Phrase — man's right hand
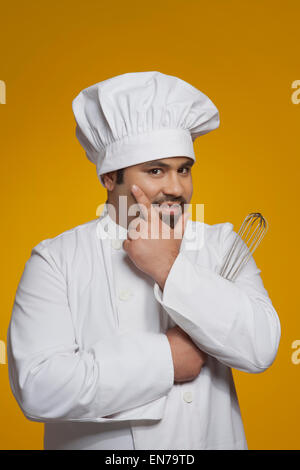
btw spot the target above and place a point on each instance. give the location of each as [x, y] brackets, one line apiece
[188, 359]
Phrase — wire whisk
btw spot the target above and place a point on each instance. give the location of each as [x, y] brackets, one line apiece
[241, 249]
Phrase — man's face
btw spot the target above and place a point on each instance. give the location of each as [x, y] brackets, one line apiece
[167, 180]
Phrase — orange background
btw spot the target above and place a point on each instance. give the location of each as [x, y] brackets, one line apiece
[245, 56]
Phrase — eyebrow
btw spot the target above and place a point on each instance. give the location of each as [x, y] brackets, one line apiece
[165, 165]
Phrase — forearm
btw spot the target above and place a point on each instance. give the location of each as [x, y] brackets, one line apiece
[239, 329]
[109, 378]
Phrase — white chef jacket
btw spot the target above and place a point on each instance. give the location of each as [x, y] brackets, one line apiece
[87, 350]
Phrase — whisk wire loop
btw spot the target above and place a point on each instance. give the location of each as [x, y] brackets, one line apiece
[255, 226]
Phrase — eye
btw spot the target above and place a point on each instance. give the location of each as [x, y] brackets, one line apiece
[154, 169]
[185, 168]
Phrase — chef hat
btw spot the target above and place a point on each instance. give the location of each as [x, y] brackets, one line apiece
[136, 117]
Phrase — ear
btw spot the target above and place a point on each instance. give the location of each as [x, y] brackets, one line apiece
[109, 180]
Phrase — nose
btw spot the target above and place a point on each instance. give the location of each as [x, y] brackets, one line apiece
[173, 184]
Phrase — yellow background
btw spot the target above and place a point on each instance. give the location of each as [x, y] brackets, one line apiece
[245, 56]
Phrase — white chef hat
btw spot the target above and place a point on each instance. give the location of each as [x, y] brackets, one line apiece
[136, 117]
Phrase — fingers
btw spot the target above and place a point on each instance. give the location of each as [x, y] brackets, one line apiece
[126, 244]
[134, 229]
[142, 200]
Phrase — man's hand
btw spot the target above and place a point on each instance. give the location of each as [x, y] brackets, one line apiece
[153, 256]
[188, 359]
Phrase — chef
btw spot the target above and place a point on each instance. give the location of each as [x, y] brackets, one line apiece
[120, 340]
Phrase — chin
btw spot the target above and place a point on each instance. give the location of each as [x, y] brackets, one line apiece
[169, 219]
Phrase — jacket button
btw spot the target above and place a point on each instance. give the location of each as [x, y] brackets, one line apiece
[124, 294]
[116, 244]
[188, 397]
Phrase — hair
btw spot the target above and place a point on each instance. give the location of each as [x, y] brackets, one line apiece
[120, 176]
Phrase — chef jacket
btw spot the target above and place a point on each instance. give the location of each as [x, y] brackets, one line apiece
[87, 350]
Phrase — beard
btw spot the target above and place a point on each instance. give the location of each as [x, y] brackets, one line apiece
[169, 219]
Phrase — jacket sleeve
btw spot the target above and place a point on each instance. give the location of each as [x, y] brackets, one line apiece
[235, 322]
[124, 376]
